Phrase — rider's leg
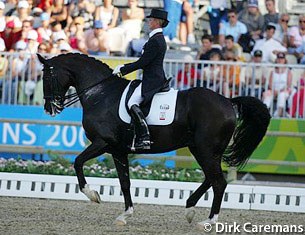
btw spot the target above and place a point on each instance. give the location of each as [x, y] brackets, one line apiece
[141, 128]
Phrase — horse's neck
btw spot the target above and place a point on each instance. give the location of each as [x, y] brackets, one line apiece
[111, 88]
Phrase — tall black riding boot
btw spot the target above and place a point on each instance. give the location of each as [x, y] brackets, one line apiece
[141, 128]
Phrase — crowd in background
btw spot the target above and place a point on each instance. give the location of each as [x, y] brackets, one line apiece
[101, 29]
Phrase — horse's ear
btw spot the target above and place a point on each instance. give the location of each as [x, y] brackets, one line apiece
[41, 59]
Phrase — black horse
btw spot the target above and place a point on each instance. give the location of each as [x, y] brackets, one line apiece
[204, 121]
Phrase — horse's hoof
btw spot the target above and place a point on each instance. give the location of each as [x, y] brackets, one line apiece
[91, 194]
[205, 226]
[96, 197]
[120, 222]
[190, 213]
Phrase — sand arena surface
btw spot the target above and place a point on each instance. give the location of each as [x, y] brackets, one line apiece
[26, 216]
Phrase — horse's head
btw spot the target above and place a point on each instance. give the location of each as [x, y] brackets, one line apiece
[56, 82]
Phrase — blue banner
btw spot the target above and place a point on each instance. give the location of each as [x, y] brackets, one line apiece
[47, 136]
[50, 136]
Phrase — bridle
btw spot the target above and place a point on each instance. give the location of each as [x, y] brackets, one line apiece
[56, 97]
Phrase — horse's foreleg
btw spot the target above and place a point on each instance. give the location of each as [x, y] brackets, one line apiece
[94, 150]
[122, 167]
[194, 198]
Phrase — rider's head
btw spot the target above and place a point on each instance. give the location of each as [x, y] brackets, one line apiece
[157, 19]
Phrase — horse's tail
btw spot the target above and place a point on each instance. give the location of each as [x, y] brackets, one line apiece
[252, 122]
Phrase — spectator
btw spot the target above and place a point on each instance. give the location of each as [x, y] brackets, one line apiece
[108, 14]
[268, 45]
[129, 29]
[231, 76]
[234, 47]
[272, 16]
[296, 35]
[173, 7]
[281, 31]
[45, 5]
[96, 40]
[64, 48]
[22, 12]
[58, 38]
[59, 13]
[256, 76]
[217, 14]
[33, 44]
[253, 19]
[36, 13]
[77, 35]
[84, 9]
[207, 48]
[2, 17]
[298, 100]
[44, 30]
[233, 27]
[186, 27]
[3, 65]
[9, 36]
[37, 71]
[26, 27]
[56, 28]
[19, 65]
[211, 73]
[10, 6]
[279, 88]
[188, 76]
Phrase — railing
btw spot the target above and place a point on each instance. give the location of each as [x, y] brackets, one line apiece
[228, 78]
[249, 197]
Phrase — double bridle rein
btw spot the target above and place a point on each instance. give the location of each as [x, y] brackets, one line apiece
[56, 96]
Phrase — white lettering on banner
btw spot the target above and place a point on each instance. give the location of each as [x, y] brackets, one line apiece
[55, 136]
[30, 133]
[65, 136]
[81, 135]
[51, 141]
[8, 131]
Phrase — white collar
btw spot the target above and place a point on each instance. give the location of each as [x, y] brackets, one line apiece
[152, 33]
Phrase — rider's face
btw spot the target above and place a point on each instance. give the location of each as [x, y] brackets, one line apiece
[153, 23]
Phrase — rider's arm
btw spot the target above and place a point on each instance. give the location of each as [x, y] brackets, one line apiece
[152, 48]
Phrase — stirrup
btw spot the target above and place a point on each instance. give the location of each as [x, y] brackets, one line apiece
[142, 145]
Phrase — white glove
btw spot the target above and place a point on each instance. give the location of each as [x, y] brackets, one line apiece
[117, 70]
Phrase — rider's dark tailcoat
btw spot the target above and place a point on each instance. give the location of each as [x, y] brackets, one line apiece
[151, 62]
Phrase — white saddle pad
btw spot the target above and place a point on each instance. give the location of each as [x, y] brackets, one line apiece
[162, 110]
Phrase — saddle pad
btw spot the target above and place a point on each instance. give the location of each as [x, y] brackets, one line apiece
[162, 110]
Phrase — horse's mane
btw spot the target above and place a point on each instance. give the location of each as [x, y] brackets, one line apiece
[95, 63]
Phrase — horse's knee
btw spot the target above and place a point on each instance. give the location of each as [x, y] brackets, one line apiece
[78, 163]
[125, 185]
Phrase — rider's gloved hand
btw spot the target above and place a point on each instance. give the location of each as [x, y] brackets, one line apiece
[117, 70]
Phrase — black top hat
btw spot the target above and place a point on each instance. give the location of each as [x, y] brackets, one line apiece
[159, 14]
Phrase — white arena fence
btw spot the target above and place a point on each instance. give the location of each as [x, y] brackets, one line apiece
[249, 197]
[228, 78]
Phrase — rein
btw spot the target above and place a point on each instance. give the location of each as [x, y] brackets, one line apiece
[74, 96]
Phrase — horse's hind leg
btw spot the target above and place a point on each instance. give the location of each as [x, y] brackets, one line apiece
[122, 167]
[211, 166]
[195, 196]
[94, 150]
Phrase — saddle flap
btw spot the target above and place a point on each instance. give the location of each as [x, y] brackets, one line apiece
[160, 112]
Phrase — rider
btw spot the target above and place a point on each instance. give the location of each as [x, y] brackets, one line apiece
[151, 61]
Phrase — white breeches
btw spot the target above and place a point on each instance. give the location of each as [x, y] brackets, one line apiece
[136, 97]
[281, 99]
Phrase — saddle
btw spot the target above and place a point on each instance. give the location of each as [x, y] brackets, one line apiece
[160, 111]
[134, 84]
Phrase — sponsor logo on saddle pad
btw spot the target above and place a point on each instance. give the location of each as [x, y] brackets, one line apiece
[162, 110]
